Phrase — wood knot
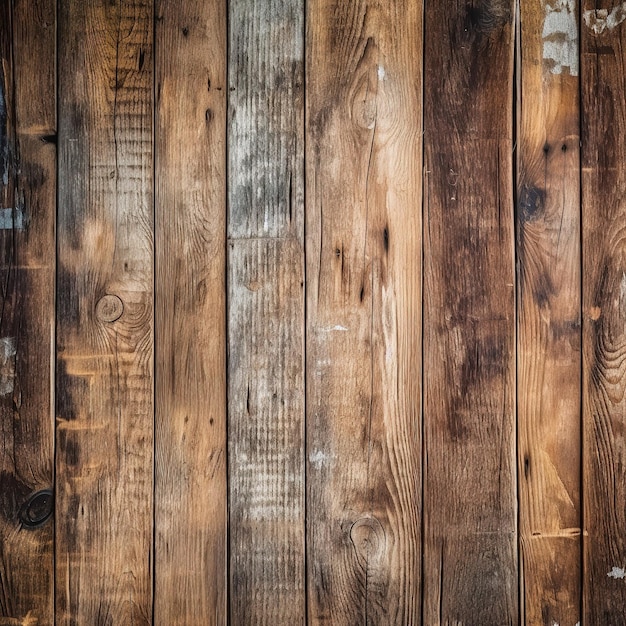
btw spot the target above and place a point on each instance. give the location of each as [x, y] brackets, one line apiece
[531, 202]
[37, 509]
[109, 308]
[368, 538]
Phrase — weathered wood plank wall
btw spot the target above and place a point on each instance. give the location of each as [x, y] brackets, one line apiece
[337, 329]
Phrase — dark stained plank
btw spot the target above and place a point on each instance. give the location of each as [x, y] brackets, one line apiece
[190, 374]
[105, 414]
[27, 267]
[603, 67]
[470, 550]
[266, 312]
[548, 238]
[364, 269]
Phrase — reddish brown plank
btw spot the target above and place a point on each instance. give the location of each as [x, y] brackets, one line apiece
[105, 418]
[190, 518]
[470, 499]
[364, 229]
[548, 236]
[603, 67]
[27, 266]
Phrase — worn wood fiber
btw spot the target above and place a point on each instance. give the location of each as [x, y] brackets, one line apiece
[190, 145]
[27, 262]
[266, 312]
[470, 499]
[603, 67]
[104, 314]
[364, 228]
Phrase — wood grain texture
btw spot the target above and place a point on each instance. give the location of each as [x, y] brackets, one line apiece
[190, 375]
[548, 272]
[27, 265]
[364, 266]
[603, 67]
[470, 550]
[266, 312]
[104, 316]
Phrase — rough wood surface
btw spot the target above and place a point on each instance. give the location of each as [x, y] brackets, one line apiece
[470, 500]
[603, 67]
[364, 228]
[27, 214]
[548, 236]
[104, 317]
[190, 376]
[266, 312]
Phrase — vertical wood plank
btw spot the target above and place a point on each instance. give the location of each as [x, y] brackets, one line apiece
[266, 311]
[190, 376]
[603, 67]
[548, 274]
[470, 551]
[27, 266]
[104, 324]
[364, 267]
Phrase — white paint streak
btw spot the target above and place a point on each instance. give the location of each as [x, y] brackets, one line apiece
[7, 365]
[381, 73]
[11, 218]
[336, 328]
[599, 20]
[560, 37]
[617, 572]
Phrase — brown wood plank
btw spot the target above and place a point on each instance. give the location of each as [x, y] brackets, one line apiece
[548, 274]
[266, 312]
[104, 326]
[364, 268]
[603, 68]
[470, 551]
[190, 375]
[27, 267]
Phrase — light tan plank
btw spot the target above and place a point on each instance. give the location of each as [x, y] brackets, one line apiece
[364, 227]
[190, 551]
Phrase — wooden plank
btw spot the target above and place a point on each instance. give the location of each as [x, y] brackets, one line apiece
[548, 274]
[266, 312]
[364, 268]
[27, 213]
[104, 316]
[470, 550]
[603, 67]
[190, 375]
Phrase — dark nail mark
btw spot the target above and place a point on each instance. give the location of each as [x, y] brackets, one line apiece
[546, 148]
[386, 239]
[185, 31]
[362, 294]
[564, 148]
[49, 138]
[142, 58]
[208, 115]
[208, 84]
[337, 252]
[38, 509]
[526, 466]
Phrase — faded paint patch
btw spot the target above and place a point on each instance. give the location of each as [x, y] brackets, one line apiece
[4, 140]
[11, 219]
[8, 351]
[617, 573]
[336, 328]
[319, 458]
[381, 73]
[560, 37]
[599, 20]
